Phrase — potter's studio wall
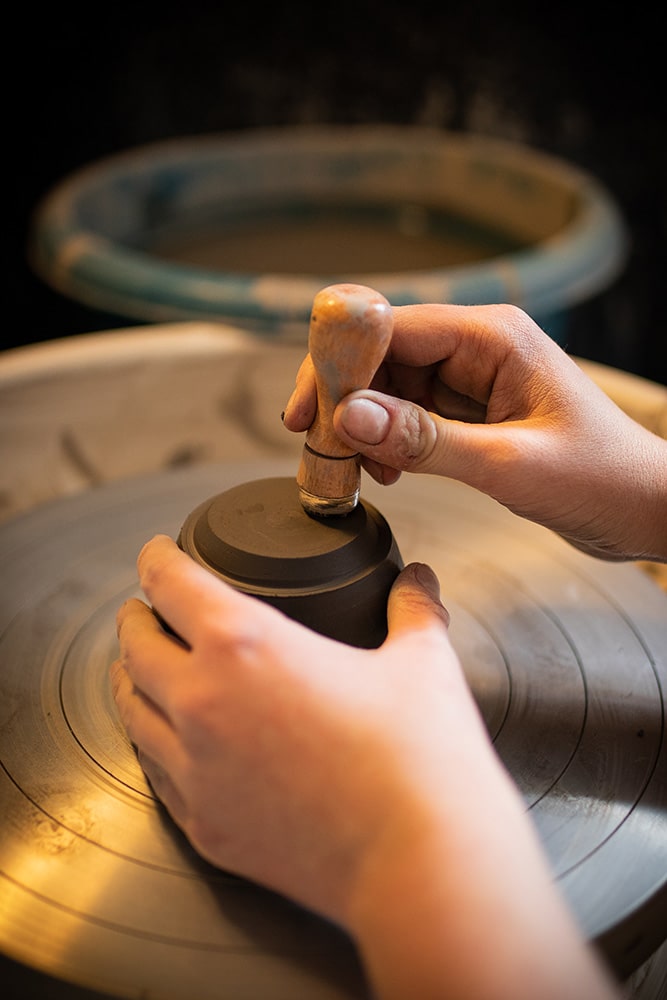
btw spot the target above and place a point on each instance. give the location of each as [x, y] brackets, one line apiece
[584, 86]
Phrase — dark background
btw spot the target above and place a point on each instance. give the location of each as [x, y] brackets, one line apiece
[585, 86]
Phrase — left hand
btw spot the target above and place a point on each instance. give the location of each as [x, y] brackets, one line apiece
[283, 754]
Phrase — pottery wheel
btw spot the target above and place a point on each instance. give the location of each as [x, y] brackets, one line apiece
[566, 655]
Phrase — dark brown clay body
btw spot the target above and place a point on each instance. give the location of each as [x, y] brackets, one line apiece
[331, 574]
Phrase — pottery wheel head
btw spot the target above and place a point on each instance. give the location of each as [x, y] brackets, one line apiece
[566, 657]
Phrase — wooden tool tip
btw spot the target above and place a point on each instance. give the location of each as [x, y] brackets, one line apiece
[350, 330]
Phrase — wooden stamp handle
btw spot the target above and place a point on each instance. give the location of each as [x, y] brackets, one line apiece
[350, 330]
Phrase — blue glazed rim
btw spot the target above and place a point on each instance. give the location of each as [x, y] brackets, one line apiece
[86, 234]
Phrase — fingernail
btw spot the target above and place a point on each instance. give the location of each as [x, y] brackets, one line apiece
[288, 405]
[428, 579]
[365, 421]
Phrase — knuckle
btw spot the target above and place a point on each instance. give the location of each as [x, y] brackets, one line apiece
[232, 642]
[418, 439]
[411, 441]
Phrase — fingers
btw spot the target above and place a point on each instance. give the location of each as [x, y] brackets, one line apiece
[149, 663]
[414, 602]
[398, 435]
[480, 337]
[491, 362]
[394, 435]
[302, 404]
[147, 650]
[466, 343]
[187, 596]
[455, 353]
[156, 742]
[454, 405]
[164, 788]
[147, 726]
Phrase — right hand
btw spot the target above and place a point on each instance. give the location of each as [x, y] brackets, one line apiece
[481, 394]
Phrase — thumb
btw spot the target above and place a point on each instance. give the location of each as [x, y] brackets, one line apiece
[414, 602]
[400, 435]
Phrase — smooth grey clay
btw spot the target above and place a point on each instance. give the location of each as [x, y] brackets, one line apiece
[331, 574]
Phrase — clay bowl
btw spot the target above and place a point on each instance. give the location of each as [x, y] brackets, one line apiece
[332, 574]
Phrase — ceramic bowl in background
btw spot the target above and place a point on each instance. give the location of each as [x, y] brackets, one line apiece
[246, 228]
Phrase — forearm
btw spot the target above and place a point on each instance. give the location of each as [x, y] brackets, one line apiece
[453, 914]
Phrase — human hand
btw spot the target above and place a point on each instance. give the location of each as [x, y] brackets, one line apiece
[250, 728]
[482, 395]
[359, 783]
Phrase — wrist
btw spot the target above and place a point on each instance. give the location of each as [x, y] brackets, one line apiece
[443, 906]
[654, 516]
